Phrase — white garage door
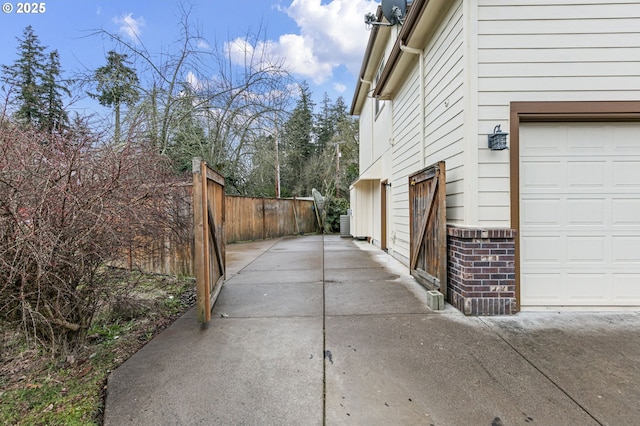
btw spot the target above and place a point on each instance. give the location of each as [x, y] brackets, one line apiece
[580, 214]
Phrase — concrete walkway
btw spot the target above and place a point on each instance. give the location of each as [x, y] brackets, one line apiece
[322, 330]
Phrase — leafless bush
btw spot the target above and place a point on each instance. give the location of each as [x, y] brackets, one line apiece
[68, 206]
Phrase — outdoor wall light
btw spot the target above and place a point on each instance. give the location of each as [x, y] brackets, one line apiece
[498, 139]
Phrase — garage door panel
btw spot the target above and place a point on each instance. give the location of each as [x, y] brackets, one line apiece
[626, 175]
[541, 212]
[627, 288]
[626, 249]
[579, 214]
[591, 212]
[626, 212]
[586, 174]
[542, 289]
[586, 249]
[625, 139]
[542, 174]
[542, 249]
[544, 145]
[587, 140]
[586, 288]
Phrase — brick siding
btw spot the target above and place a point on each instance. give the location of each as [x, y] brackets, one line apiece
[481, 271]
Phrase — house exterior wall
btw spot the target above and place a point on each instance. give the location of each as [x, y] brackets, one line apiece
[562, 50]
[443, 133]
[480, 56]
[365, 130]
[376, 135]
[444, 104]
[365, 208]
[406, 160]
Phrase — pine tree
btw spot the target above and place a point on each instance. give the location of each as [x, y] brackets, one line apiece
[117, 84]
[25, 78]
[35, 83]
[55, 118]
[325, 124]
[298, 141]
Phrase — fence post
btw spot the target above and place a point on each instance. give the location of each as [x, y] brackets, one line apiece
[201, 237]
[264, 221]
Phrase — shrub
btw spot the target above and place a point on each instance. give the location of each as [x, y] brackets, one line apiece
[68, 206]
[334, 208]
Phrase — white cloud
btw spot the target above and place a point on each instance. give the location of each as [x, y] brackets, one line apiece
[129, 27]
[299, 55]
[263, 55]
[193, 81]
[330, 35]
[334, 32]
[202, 44]
[339, 87]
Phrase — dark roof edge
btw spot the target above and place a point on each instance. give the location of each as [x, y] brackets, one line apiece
[365, 60]
[415, 12]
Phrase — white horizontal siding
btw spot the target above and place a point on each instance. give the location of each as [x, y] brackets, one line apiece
[547, 50]
[382, 130]
[560, 10]
[444, 106]
[366, 136]
[444, 122]
[406, 158]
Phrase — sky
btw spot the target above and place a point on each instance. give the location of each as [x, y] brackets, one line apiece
[321, 42]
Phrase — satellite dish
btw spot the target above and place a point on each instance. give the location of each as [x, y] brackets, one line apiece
[394, 10]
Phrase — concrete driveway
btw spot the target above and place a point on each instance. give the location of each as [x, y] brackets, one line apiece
[328, 331]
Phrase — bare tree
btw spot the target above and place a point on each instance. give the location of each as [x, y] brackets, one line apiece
[211, 102]
[67, 208]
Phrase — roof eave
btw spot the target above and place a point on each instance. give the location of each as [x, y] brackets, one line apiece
[415, 33]
[360, 92]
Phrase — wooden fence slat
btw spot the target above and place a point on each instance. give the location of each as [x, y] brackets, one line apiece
[212, 231]
[431, 200]
[245, 219]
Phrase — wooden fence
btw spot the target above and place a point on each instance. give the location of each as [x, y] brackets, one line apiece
[246, 219]
[171, 251]
[263, 218]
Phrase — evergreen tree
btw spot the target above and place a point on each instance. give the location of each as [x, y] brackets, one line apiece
[325, 124]
[188, 139]
[26, 76]
[55, 118]
[339, 111]
[298, 143]
[334, 165]
[116, 84]
[263, 174]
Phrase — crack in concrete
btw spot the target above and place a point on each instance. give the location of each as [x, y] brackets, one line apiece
[553, 382]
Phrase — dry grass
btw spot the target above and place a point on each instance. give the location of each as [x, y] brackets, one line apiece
[38, 390]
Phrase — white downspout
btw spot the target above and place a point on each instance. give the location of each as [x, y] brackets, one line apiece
[370, 84]
[423, 118]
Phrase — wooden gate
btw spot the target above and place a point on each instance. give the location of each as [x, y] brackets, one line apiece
[428, 225]
[209, 236]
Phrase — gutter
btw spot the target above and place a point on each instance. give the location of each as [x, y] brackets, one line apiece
[365, 62]
[415, 12]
